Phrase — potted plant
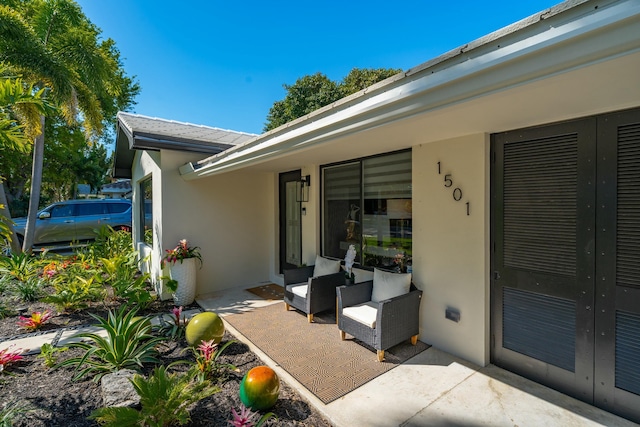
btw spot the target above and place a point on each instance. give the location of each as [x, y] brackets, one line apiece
[182, 262]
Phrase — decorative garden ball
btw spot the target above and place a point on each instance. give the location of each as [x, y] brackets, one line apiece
[259, 388]
[204, 326]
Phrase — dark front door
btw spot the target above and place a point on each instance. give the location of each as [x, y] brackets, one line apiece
[565, 289]
[290, 221]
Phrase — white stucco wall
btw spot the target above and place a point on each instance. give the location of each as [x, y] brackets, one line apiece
[450, 248]
[228, 216]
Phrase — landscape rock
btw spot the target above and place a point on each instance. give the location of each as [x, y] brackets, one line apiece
[117, 389]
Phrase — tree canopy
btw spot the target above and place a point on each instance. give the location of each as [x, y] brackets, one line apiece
[312, 92]
[55, 48]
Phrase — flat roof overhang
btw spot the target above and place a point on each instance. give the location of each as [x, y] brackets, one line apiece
[574, 64]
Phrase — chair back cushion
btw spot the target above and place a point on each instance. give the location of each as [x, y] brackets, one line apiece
[325, 266]
[388, 285]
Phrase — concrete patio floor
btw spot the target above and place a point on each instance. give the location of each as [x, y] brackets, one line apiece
[433, 388]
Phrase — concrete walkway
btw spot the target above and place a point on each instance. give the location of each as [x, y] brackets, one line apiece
[434, 389]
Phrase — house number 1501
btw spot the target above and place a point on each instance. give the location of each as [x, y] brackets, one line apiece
[457, 191]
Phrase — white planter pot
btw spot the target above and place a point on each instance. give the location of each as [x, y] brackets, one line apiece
[185, 274]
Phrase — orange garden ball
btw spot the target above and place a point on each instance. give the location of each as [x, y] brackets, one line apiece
[259, 388]
[204, 326]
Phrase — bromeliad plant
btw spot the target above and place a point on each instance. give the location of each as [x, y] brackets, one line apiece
[8, 356]
[181, 252]
[128, 345]
[164, 400]
[247, 418]
[207, 366]
[35, 321]
[174, 330]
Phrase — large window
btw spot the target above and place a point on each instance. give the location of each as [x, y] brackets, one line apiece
[146, 211]
[367, 203]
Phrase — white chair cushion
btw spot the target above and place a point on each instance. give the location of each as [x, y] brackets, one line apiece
[325, 266]
[300, 289]
[364, 313]
[388, 285]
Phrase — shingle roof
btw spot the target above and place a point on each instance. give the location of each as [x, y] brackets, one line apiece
[137, 132]
[170, 130]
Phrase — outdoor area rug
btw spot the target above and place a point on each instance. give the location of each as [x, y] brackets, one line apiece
[268, 292]
[313, 352]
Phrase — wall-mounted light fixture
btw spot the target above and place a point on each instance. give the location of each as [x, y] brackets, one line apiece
[302, 193]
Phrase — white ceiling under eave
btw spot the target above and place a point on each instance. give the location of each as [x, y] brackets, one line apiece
[585, 61]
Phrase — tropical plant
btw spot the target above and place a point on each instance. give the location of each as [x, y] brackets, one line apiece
[70, 295]
[164, 399]
[176, 329]
[5, 311]
[54, 46]
[181, 252]
[35, 321]
[20, 266]
[49, 354]
[11, 411]
[207, 366]
[30, 289]
[247, 418]
[110, 243]
[128, 345]
[8, 356]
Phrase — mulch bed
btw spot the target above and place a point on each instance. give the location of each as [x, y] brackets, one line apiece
[56, 400]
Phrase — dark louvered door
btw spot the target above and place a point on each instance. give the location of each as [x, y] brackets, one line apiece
[566, 258]
[617, 379]
[543, 202]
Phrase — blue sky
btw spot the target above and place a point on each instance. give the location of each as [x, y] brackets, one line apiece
[223, 64]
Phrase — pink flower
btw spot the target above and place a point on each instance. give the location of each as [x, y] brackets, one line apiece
[207, 349]
[245, 418]
[177, 313]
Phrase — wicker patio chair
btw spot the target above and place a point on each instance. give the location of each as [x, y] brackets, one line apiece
[380, 324]
[311, 291]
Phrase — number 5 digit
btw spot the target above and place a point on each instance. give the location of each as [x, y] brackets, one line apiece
[447, 180]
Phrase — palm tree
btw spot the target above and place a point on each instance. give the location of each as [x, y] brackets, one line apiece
[53, 45]
[17, 100]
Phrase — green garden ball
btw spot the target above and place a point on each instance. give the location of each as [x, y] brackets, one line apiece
[205, 326]
[259, 388]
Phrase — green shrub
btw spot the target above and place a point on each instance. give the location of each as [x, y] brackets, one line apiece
[164, 401]
[128, 345]
[29, 290]
[20, 266]
[109, 244]
[74, 294]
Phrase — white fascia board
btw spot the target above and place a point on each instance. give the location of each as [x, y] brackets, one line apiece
[582, 39]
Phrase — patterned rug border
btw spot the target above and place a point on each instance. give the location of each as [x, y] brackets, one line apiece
[313, 353]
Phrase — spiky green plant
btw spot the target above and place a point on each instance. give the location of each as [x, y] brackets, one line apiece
[11, 411]
[20, 266]
[128, 345]
[164, 400]
[30, 289]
